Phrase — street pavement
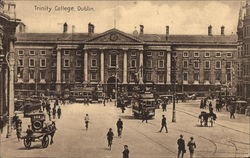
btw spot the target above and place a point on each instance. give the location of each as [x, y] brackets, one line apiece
[227, 138]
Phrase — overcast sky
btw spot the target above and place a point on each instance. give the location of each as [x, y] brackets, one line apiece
[183, 17]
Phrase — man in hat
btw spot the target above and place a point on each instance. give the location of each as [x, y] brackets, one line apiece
[181, 146]
[191, 145]
[125, 152]
[164, 123]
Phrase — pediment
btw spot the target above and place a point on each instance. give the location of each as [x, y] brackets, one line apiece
[114, 36]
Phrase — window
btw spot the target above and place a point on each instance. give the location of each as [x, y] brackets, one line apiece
[196, 64]
[229, 54]
[185, 64]
[42, 52]
[185, 76]
[218, 75]
[218, 54]
[207, 54]
[19, 73]
[132, 77]
[31, 52]
[207, 64]
[161, 53]
[228, 65]
[206, 75]
[218, 65]
[133, 63]
[160, 63]
[20, 52]
[66, 75]
[148, 76]
[53, 76]
[93, 63]
[161, 77]
[78, 76]
[149, 63]
[42, 75]
[196, 76]
[20, 63]
[31, 74]
[185, 54]
[66, 63]
[196, 54]
[93, 76]
[66, 52]
[78, 53]
[229, 76]
[31, 63]
[149, 54]
[133, 53]
[42, 62]
[53, 64]
[78, 63]
[54, 52]
[113, 60]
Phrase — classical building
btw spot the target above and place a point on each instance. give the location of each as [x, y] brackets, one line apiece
[8, 23]
[243, 86]
[50, 63]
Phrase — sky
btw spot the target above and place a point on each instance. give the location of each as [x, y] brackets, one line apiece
[183, 17]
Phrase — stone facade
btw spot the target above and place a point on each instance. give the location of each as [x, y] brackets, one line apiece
[94, 59]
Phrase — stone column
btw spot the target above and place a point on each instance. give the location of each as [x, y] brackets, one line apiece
[102, 66]
[141, 68]
[58, 71]
[86, 66]
[168, 67]
[125, 67]
[11, 65]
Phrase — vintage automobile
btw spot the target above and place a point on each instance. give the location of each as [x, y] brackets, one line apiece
[144, 102]
[41, 131]
[31, 105]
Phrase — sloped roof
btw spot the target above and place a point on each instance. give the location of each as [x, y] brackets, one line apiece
[145, 37]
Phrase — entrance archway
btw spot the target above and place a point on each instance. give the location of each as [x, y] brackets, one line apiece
[111, 84]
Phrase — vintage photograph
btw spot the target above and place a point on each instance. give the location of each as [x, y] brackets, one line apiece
[124, 79]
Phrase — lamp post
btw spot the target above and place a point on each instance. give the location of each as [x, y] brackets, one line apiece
[174, 87]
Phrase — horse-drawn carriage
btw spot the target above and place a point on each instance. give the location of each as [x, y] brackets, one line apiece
[40, 131]
[205, 118]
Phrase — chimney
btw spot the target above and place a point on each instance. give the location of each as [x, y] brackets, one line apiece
[91, 28]
[167, 32]
[209, 30]
[65, 27]
[222, 30]
[141, 29]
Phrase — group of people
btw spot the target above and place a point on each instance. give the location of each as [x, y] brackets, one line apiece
[56, 110]
[17, 123]
[181, 147]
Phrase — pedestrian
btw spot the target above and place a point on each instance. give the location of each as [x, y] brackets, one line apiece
[119, 125]
[164, 123]
[191, 145]
[1, 124]
[53, 129]
[19, 129]
[104, 104]
[125, 152]
[232, 111]
[86, 119]
[59, 112]
[87, 100]
[14, 120]
[49, 113]
[164, 106]
[29, 131]
[145, 115]
[43, 105]
[54, 113]
[110, 136]
[181, 146]
[201, 104]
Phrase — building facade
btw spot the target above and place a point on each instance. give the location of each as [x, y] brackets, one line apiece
[50, 63]
[243, 86]
[8, 23]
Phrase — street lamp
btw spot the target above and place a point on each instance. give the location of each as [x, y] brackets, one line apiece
[174, 85]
